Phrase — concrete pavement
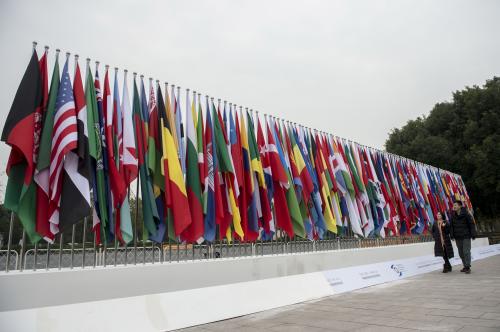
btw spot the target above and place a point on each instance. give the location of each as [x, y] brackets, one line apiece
[428, 302]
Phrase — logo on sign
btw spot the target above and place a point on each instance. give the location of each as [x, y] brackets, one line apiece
[335, 281]
[369, 274]
[398, 269]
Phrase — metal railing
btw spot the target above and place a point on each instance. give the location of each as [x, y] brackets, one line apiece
[73, 255]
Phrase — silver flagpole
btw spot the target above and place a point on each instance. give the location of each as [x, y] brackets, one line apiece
[85, 218]
[113, 215]
[23, 239]
[105, 254]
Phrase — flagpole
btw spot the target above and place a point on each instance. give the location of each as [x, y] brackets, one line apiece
[23, 239]
[85, 218]
[114, 215]
[73, 230]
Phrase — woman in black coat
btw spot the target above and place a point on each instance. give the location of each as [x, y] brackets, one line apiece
[442, 241]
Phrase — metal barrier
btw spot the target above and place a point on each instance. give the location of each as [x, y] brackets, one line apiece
[64, 258]
[66, 253]
[12, 260]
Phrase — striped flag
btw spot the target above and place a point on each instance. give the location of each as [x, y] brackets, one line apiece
[64, 139]
[75, 196]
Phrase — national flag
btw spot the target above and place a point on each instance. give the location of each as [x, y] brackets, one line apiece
[281, 184]
[75, 195]
[195, 230]
[210, 172]
[116, 181]
[129, 158]
[151, 219]
[43, 160]
[260, 190]
[100, 216]
[64, 139]
[176, 195]
[111, 227]
[18, 132]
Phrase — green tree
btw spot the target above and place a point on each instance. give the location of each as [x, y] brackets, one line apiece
[463, 136]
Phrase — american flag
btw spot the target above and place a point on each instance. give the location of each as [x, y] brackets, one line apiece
[64, 139]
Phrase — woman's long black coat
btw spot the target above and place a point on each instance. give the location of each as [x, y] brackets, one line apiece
[438, 248]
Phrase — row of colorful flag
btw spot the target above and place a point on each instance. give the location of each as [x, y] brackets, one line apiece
[204, 171]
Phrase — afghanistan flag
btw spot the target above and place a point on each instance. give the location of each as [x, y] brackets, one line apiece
[19, 132]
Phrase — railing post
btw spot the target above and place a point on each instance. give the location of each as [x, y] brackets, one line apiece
[83, 241]
[11, 225]
[73, 245]
[60, 249]
[21, 254]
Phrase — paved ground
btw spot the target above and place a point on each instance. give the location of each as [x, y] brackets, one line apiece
[429, 302]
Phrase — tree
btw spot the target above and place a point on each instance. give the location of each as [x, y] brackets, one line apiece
[462, 136]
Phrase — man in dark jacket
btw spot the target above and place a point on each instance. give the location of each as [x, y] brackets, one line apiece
[463, 229]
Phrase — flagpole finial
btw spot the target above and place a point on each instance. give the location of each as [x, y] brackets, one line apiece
[241, 107]
[199, 94]
[116, 69]
[106, 66]
[76, 57]
[194, 93]
[97, 63]
[58, 50]
[211, 98]
[187, 90]
[46, 48]
[125, 71]
[67, 55]
[142, 77]
[246, 109]
[34, 44]
[88, 59]
[135, 74]
[150, 79]
[158, 81]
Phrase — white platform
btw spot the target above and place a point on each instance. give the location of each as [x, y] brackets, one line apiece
[163, 297]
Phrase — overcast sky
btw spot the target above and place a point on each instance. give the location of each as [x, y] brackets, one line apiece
[353, 68]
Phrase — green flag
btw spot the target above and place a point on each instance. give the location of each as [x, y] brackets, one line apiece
[95, 152]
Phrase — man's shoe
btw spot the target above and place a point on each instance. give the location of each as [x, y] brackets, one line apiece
[445, 270]
[463, 270]
[467, 270]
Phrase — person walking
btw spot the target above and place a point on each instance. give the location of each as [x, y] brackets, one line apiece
[463, 229]
[442, 241]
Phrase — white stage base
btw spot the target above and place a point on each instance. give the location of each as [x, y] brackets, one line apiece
[222, 299]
